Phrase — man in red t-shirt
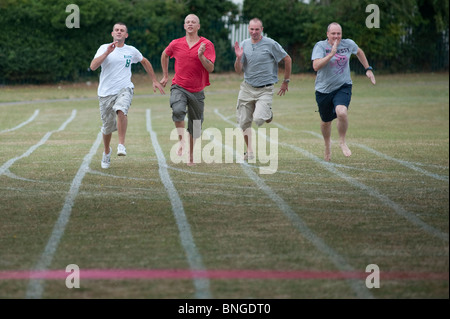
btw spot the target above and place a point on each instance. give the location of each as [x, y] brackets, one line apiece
[194, 60]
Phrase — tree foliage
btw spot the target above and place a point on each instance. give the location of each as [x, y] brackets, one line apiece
[411, 31]
[39, 47]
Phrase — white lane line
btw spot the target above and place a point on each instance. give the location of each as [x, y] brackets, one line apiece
[187, 241]
[399, 210]
[23, 123]
[36, 286]
[9, 163]
[393, 159]
[358, 287]
[411, 217]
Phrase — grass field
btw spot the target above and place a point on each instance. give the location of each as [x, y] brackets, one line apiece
[151, 228]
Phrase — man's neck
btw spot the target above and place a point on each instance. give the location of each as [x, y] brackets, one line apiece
[192, 37]
[256, 41]
[120, 44]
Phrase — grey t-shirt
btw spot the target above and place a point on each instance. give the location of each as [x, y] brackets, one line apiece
[260, 61]
[337, 72]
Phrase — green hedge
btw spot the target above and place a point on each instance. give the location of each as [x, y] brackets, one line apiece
[38, 47]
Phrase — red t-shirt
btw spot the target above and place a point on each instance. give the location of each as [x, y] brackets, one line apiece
[190, 74]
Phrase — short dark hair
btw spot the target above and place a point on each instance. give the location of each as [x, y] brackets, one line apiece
[121, 23]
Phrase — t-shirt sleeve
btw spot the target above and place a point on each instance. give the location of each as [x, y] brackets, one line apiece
[100, 50]
[318, 52]
[354, 46]
[210, 52]
[278, 52]
[137, 56]
[169, 49]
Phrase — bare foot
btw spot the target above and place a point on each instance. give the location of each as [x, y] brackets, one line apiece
[190, 162]
[190, 159]
[327, 154]
[345, 150]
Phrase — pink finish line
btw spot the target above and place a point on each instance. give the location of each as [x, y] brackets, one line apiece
[114, 274]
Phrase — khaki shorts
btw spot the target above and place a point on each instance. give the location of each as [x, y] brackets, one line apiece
[109, 105]
[254, 104]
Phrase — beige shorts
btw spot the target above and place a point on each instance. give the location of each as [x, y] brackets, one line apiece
[109, 105]
[254, 104]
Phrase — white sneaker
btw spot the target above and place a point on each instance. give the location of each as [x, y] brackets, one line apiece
[121, 150]
[248, 156]
[106, 159]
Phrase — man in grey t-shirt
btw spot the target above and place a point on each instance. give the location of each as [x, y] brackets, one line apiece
[258, 58]
[333, 83]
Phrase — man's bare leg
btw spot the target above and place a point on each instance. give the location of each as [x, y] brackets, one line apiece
[191, 151]
[325, 127]
[107, 142]
[342, 126]
[180, 130]
[122, 124]
[248, 143]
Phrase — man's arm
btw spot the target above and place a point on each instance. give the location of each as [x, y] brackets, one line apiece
[239, 53]
[148, 67]
[96, 62]
[165, 68]
[207, 64]
[287, 67]
[363, 60]
[320, 63]
[287, 74]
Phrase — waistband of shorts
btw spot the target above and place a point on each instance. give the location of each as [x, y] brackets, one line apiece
[261, 86]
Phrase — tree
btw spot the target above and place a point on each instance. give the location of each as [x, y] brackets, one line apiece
[38, 46]
[412, 32]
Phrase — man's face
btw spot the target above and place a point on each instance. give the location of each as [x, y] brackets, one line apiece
[334, 33]
[191, 24]
[119, 33]
[255, 30]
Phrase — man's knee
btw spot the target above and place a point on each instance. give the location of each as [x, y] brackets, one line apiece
[341, 110]
[178, 114]
[120, 113]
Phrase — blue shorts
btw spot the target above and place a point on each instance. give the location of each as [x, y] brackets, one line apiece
[327, 102]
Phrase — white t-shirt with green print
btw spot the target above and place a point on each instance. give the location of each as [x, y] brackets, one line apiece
[116, 69]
